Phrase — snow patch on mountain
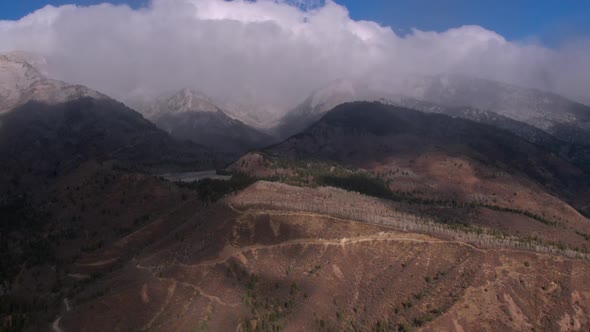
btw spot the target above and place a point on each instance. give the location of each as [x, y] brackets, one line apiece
[188, 100]
[184, 101]
[21, 81]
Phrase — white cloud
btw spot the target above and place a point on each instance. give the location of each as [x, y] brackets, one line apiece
[269, 50]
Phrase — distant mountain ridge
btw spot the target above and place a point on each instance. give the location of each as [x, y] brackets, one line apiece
[556, 115]
[579, 154]
[363, 133]
[21, 82]
[185, 100]
[192, 115]
[567, 120]
[436, 157]
[50, 127]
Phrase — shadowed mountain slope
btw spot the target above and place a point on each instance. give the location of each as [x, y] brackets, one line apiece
[191, 115]
[363, 133]
[554, 122]
[456, 170]
[578, 154]
[558, 116]
[40, 141]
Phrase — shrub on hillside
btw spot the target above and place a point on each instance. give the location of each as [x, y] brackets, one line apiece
[212, 190]
[359, 183]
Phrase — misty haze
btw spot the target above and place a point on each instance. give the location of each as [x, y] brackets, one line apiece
[294, 165]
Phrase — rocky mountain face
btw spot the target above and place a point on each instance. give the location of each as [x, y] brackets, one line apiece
[578, 154]
[259, 115]
[49, 127]
[21, 82]
[457, 96]
[381, 121]
[556, 115]
[374, 136]
[191, 115]
[185, 100]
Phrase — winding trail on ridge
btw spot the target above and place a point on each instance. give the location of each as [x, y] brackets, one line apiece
[230, 252]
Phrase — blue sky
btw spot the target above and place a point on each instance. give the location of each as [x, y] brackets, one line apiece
[163, 50]
[14, 9]
[545, 21]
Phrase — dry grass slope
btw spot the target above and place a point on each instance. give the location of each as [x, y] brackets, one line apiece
[353, 206]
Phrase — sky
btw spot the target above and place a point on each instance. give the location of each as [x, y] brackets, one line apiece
[274, 54]
[545, 21]
[15, 9]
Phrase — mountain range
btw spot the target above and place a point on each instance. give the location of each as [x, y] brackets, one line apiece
[21, 81]
[558, 116]
[191, 115]
[566, 120]
[374, 136]
[445, 203]
[50, 127]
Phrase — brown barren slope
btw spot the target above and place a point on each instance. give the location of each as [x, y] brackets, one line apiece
[251, 266]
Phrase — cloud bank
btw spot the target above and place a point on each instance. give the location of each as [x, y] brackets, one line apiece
[273, 52]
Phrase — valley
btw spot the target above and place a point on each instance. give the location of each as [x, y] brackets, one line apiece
[194, 176]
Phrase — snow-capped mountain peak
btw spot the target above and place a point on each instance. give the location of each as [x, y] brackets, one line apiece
[16, 76]
[21, 81]
[183, 101]
[189, 100]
